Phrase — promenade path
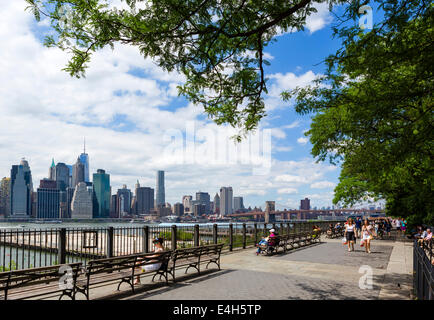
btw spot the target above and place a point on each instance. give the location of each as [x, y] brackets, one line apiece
[321, 271]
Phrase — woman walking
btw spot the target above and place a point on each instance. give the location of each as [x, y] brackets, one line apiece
[367, 236]
[350, 234]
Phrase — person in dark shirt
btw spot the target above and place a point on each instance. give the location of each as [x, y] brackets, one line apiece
[358, 223]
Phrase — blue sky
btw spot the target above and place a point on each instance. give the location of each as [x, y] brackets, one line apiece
[131, 116]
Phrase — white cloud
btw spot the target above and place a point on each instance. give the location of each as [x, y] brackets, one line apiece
[323, 185]
[287, 190]
[303, 140]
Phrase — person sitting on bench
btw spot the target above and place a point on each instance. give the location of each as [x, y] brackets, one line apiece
[266, 241]
[158, 243]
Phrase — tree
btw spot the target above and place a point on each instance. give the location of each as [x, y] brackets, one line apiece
[373, 113]
[372, 109]
[217, 44]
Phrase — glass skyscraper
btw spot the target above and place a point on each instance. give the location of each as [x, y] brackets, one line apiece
[160, 193]
[84, 159]
[101, 187]
[21, 189]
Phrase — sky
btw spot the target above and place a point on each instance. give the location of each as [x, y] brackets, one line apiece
[134, 122]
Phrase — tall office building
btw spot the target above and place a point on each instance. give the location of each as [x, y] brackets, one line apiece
[84, 159]
[178, 209]
[114, 206]
[101, 187]
[78, 173]
[5, 197]
[187, 203]
[305, 204]
[217, 203]
[69, 194]
[238, 204]
[124, 201]
[82, 202]
[21, 189]
[48, 200]
[61, 175]
[52, 170]
[160, 192]
[144, 199]
[203, 198]
[226, 200]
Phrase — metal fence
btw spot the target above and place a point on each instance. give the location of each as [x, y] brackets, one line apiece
[423, 270]
[31, 248]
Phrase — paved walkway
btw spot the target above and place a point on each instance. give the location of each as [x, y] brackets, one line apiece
[321, 271]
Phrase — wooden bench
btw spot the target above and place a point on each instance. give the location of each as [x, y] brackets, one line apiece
[36, 282]
[194, 257]
[123, 268]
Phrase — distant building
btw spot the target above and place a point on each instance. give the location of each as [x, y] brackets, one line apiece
[305, 204]
[84, 159]
[124, 201]
[114, 213]
[238, 204]
[144, 200]
[199, 209]
[187, 203]
[78, 173]
[21, 190]
[69, 195]
[226, 200]
[61, 175]
[216, 204]
[203, 198]
[5, 197]
[160, 191]
[178, 209]
[101, 187]
[48, 200]
[82, 202]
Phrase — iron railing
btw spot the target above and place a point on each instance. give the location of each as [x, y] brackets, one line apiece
[31, 248]
[423, 270]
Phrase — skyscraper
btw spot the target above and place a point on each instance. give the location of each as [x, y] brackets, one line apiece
[78, 173]
[203, 198]
[160, 193]
[187, 203]
[124, 201]
[48, 200]
[238, 203]
[84, 159]
[5, 197]
[216, 203]
[82, 202]
[101, 187]
[305, 204]
[21, 189]
[61, 176]
[144, 199]
[226, 200]
[52, 170]
[178, 209]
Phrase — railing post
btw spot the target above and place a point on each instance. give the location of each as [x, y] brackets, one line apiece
[146, 239]
[281, 228]
[244, 236]
[62, 246]
[214, 233]
[196, 235]
[255, 230]
[174, 237]
[110, 242]
[231, 239]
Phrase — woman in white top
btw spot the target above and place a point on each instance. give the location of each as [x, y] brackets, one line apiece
[367, 236]
[158, 244]
[350, 234]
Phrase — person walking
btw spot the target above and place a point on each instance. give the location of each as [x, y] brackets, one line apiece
[350, 234]
[358, 227]
[367, 235]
